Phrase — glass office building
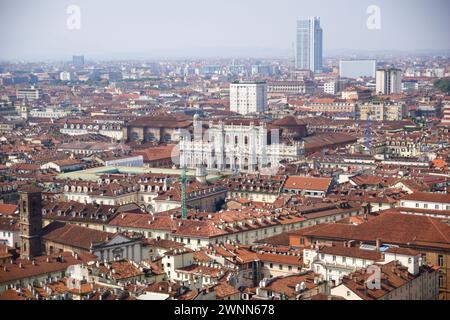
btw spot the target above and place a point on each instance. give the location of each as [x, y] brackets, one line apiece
[309, 45]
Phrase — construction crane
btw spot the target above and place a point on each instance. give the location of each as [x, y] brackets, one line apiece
[183, 180]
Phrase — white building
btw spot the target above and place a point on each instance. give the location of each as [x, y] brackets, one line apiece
[49, 113]
[82, 127]
[333, 263]
[389, 81]
[401, 276]
[290, 87]
[426, 200]
[330, 87]
[28, 94]
[248, 97]
[236, 145]
[65, 76]
[9, 232]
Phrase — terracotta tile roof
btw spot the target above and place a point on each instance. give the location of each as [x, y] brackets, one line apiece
[428, 197]
[224, 290]
[7, 209]
[353, 252]
[9, 224]
[307, 183]
[123, 269]
[281, 258]
[23, 268]
[391, 228]
[393, 276]
[156, 153]
[12, 294]
[287, 284]
[74, 235]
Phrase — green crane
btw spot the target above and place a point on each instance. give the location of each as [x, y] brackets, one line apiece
[183, 180]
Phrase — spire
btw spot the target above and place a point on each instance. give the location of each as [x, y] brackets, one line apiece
[183, 180]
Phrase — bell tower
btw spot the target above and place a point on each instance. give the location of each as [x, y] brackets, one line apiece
[30, 204]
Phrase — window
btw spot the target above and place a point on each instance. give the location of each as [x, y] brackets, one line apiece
[436, 206]
[441, 281]
[271, 265]
[334, 258]
[424, 257]
[425, 206]
[409, 260]
[348, 293]
[344, 259]
[280, 267]
[290, 268]
[417, 205]
[440, 260]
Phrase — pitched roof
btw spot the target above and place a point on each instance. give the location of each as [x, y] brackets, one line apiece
[307, 183]
[428, 197]
[353, 252]
[73, 235]
[24, 268]
[392, 228]
[7, 209]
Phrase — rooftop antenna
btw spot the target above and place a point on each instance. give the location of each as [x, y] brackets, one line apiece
[183, 180]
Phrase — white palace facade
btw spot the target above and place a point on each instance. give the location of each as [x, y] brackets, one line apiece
[236, 145]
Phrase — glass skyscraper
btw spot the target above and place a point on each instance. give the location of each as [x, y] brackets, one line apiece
[309, 45]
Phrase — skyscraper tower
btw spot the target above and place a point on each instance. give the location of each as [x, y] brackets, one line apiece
[30, 206]
[309, 45]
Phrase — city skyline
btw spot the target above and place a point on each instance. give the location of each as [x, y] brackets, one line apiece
[198, 31]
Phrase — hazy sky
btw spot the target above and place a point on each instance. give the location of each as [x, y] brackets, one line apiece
[37, 29]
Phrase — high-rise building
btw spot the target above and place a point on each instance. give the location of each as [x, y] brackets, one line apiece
[78, 61]
[309, 45]
[389, 81]
[30, 206]
[248, 97]
[357, 68]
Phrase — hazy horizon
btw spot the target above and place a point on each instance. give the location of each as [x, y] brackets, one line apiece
[140, 29]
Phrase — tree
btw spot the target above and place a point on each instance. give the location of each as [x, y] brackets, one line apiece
[442, 85]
